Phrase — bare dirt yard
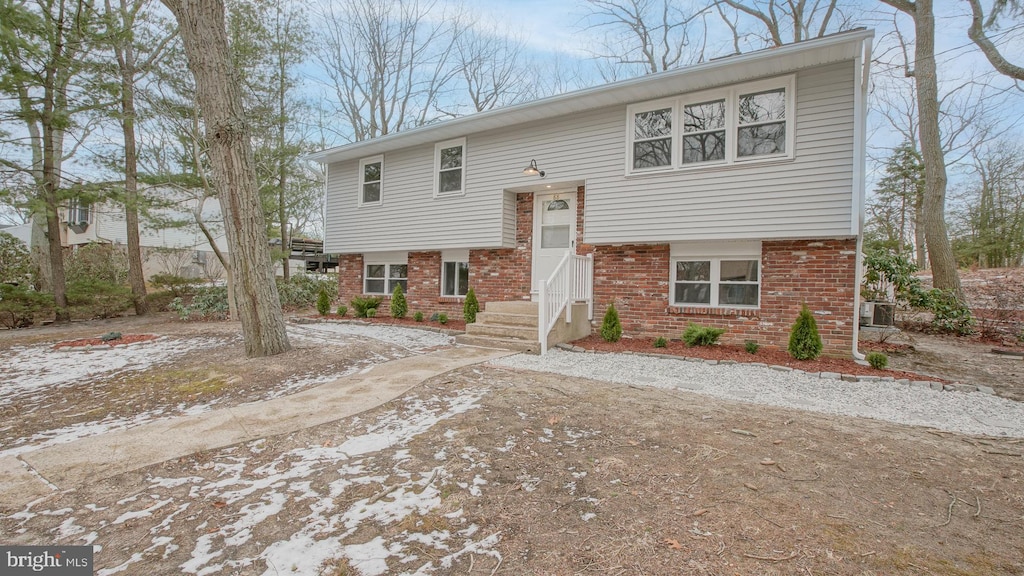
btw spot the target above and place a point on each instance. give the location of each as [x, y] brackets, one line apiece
[492, 470]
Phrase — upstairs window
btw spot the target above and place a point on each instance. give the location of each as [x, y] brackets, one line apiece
[450, 168]
[79, 212]
[719, 127]
[652, 138]
[371, 178]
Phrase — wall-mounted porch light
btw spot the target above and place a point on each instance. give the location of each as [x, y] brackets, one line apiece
[532, 169]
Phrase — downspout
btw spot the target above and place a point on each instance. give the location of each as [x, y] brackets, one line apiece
[862, 67]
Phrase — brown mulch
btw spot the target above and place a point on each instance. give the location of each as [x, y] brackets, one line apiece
[453, 323]
[124, 339]
[766, 355]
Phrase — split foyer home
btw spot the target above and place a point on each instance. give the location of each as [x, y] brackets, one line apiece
[727, 194]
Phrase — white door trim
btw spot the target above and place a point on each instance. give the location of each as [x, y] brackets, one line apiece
[570, 196]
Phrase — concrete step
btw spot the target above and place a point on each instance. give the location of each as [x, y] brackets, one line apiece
[507, 319]
[502, 330]
[512, 307]
[531, 346]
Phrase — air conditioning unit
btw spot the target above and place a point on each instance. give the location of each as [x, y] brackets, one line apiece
[880, 314]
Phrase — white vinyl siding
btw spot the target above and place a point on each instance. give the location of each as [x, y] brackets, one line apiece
[806, 196]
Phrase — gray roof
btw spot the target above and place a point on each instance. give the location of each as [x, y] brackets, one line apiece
[717, 72]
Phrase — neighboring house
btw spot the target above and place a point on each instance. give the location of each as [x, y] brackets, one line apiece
[170, 241]
[727, 194]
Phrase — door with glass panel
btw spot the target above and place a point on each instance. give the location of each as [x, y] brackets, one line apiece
[554, 232]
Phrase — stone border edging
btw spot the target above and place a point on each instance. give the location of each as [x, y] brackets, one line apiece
[304, 320]
[939, 386]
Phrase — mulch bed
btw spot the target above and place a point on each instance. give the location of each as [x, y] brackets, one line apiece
[453, 323]
[124, 339]
[766, 355]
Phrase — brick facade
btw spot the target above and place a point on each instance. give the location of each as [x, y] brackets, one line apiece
[504, 274]
[821, 273]
[636, 277]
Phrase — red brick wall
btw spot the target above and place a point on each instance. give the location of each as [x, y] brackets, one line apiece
[821, 273]
[504, 274]
[350, 276]
[424, 293]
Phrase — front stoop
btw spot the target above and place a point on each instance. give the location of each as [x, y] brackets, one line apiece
[513, 325]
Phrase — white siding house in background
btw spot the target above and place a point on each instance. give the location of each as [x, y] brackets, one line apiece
[727, 193]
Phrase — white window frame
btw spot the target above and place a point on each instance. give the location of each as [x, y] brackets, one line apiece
[715, 253]
[631, 112]
[387, 260]
[76, 207]
[731, 95]
[437, 168]
[362, 174]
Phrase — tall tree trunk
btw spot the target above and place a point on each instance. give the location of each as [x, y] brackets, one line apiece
[201, 24]
[940, 251]
[52, 152]
[919, 236]
[131, 193]
[282, 166]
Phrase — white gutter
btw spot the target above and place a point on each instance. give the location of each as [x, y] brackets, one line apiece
[862, 67]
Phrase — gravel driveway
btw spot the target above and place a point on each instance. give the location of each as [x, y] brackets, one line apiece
[968, 413]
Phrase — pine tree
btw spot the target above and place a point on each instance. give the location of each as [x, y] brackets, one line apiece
[611, 328]
[804, 340]
[399, 307]
[470, 307]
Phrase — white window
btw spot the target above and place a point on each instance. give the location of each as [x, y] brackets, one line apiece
[731, 279]
[371, 180]
[652, 135]
[79, 212]
[382, 278]
[450, 168]
[752, 121]
[454, 273]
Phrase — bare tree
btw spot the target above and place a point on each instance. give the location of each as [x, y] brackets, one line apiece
[977, 33]
[203, 34]
[647, 36]
[782, 22]
[388, 61]
[493, 68]
[940, 250]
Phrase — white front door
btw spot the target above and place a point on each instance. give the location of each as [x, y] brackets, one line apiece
[554, 232]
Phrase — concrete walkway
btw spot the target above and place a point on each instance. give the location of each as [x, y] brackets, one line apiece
[32, 475]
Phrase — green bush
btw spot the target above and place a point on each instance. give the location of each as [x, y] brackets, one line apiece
[342, 310]
[751, 346]
[110, 336]
[470, 307]
[399, 306]
[696, 335]
[950, 314]
[660, 342]
[209, 303]
[877, 360]
[611, 328]
[362, 304]
[177, 285]
[15, 261]
[19, 305]
[160, 299]
[442, 318]
[302, 291]
[323, 302]
[96, 262]
[804, 341]
[96, 298]
[418, 316]
[371, 312]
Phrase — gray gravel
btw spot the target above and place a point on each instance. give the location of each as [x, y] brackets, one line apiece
[968, 413]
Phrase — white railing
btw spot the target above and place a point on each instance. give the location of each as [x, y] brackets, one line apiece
[571, 281]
